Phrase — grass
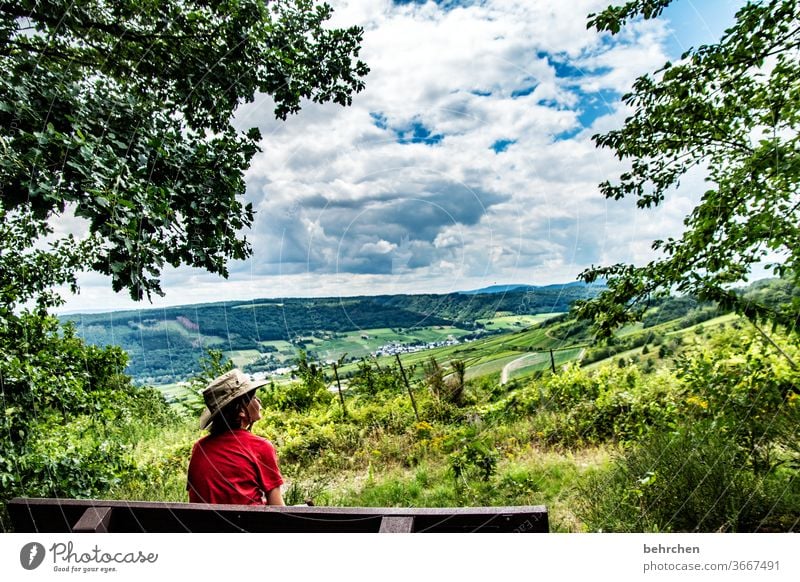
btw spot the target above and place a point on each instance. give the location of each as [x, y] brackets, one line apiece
[174, 392]
[708, 324]
[241, 358]
[531, 477]
[489, 355]
[690, 335]
[482, 356]
[364, 342]
[541, 361]
[386, 466]
[163, 454]
[490, 367]
[384, 455]
[515, 322]
[538, 451]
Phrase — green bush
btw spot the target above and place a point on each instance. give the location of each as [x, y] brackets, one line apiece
[310, 390]
[694, 479]
[372, 380]
[577, 407]
[472, 455]
[297, 396]
[749, 391]
[69, 416]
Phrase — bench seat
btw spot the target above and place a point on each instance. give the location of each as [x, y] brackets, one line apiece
[38, 515]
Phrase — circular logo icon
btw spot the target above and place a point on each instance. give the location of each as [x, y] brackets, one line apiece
[32, 555]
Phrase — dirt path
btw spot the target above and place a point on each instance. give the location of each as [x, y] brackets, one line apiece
[520, 363]
[517, 364]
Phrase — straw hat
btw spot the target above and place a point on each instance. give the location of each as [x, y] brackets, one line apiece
[224, 390]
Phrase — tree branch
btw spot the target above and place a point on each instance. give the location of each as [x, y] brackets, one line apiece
[776, 346]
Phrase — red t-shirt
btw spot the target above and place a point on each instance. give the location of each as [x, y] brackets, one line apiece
[234, 467]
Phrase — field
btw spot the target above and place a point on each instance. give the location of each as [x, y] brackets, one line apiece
[515, 322]
[519, 346]
[581, 441]
[685, 422]
[331, 347]
[515, 347]
[483, 356]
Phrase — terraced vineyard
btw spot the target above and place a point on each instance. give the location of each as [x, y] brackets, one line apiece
[165, 345]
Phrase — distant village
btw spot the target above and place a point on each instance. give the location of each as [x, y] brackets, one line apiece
[390, 349]
[393, 348]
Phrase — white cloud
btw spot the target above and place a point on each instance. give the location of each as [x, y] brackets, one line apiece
[379, 248]
[343, 207]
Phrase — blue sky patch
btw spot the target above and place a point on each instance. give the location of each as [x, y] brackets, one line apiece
[568, 134]
[416, 132]
[444, 4]
[502, 145]
[595, 105]
[525, 91]
[566, 70]
[591, 106]
[378, 119]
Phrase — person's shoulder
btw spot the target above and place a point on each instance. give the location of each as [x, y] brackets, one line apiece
[201, 441]
[256, 439]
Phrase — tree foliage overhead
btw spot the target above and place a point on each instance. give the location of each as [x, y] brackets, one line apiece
[732, 110]
[119, 113]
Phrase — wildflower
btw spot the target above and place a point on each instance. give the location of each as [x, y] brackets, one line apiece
[697, 401]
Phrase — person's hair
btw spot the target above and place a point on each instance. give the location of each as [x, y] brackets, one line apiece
[228, 418]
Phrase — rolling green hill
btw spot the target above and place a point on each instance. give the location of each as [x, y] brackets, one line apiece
[165, 345]
[506, 335]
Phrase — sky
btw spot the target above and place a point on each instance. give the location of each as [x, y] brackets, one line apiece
[466, 162]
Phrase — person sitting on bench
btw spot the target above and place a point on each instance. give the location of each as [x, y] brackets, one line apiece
[231, 465]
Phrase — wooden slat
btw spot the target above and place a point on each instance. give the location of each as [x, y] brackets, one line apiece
[397, 524]
[62, 515]
[94, 520]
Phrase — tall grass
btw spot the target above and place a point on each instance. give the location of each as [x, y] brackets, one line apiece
[692, 480]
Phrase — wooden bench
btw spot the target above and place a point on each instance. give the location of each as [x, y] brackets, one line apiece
[30, 515]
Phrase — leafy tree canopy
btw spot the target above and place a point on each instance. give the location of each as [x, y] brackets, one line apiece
[119, 113]
[731, 109]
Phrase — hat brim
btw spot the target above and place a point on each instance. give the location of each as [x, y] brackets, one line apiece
[206, 417]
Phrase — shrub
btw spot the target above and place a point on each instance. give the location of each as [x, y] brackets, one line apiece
[693, 479]
[577, 407]
[302, 395]
[373, 380]
[748, 391]
[69, 414]
[297, 396]
[471, 455]
[212, 364]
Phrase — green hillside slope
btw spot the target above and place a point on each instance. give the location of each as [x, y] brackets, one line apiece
[165, 345]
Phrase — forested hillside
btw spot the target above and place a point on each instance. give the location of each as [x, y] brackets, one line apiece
[167, 343]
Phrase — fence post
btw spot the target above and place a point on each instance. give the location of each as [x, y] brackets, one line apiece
[408, 386]
[339, 386]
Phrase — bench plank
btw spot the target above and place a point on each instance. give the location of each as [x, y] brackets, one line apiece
[94, 520]
[397, 524]
[61, 516]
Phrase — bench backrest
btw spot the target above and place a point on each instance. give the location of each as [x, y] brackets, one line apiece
[84, 515]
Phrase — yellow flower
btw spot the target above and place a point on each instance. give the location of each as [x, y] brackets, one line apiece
[423, 429]
[697, 402]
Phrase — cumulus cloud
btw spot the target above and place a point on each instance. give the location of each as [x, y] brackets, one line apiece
[466, 161]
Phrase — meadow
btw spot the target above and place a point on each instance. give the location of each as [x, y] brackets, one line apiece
[687, 421]
[704, 440]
